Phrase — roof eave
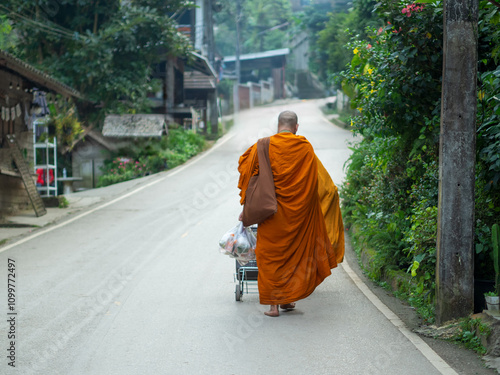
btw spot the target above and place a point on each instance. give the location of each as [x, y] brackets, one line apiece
[39, 78]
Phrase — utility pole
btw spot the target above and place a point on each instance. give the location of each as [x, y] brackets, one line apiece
[236, 96]
[209, 31]
[210, 42]
[455, 235]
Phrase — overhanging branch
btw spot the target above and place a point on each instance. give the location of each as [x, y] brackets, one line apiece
[495, 3]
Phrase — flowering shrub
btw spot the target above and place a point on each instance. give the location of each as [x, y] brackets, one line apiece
[391, 189]
[124, 169]
[412, 8]
[394, 79]
[394, 83]
[152, 156]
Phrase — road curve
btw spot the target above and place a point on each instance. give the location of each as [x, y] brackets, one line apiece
[138, 286]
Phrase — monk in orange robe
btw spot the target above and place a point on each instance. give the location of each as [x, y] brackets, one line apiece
[299, 245]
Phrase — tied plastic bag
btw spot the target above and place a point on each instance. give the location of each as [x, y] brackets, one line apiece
[239, 243]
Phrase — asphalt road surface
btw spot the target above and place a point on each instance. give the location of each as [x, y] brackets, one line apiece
[138, 286]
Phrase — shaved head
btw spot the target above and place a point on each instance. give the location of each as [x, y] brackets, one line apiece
[287, 120]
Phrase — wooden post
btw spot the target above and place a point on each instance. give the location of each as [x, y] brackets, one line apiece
[214, 114]
[455, 236]
[283, 81]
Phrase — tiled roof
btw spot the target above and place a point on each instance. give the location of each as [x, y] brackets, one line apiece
[42, 80]
[134, 126]
[195, 80]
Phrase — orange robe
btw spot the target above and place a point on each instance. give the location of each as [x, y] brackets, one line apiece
[304, 239]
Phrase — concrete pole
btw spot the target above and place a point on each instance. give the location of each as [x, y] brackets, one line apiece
[212, 96]
[236, 96]
[209, 22]
[455, 236]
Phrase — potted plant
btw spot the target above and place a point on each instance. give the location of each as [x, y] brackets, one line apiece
[492, 301]
[492, 298]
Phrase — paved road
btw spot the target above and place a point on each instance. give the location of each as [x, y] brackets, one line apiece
[138, 287]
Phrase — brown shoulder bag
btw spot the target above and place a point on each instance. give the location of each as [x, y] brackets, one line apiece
[260, 198]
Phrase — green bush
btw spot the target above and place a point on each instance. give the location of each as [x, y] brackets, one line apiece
[470, 333]
[391, 189]
[145, 157]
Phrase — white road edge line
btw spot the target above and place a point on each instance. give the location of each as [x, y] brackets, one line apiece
[173, 173]
[420, 344]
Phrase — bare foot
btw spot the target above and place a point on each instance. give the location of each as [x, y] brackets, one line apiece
[273, 311]
[288, 306]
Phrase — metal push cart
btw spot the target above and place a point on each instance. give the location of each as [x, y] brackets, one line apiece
[246, 276]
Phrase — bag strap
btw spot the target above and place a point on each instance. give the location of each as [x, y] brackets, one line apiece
[263, 157]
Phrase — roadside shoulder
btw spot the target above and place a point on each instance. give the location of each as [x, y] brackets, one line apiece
[463, 361]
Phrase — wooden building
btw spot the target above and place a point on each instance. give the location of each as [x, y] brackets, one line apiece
[187, 83]
[18, 83]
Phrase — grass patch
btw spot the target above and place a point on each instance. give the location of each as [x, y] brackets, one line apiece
[470, 333]
[225, 126]
[343, 117]
[63, 202]
[408, 290]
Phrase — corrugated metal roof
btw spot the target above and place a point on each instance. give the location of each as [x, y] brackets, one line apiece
[201, 64]
[195, 80]
[40, 79]
[134, 126]
[260, 55]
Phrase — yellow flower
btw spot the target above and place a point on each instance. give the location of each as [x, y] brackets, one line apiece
[428, 35]
[372, 83]
[359, 109]
[355, 51]
[370, 71]
[372, 91]
[352, 123]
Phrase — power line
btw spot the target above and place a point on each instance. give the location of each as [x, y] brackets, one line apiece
[57, 31]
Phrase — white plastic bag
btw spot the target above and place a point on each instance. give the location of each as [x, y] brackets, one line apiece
[226, 243]
[239, 242]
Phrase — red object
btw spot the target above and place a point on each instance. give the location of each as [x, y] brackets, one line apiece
[42, 176]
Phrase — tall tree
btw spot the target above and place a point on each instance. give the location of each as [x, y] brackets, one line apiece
[330, 28]
[105, 49]
[263, 25]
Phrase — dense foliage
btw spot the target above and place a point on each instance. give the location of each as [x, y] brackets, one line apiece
[390, 194]
[263, 25]
[329, 27]
[149, 156]
[104, 49]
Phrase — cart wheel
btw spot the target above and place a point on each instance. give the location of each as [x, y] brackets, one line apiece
[237, 293]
